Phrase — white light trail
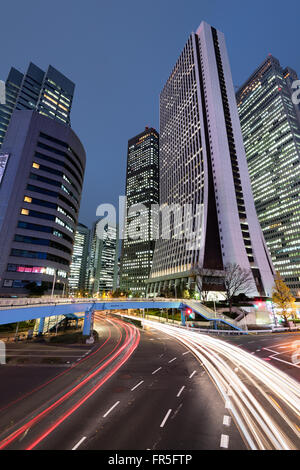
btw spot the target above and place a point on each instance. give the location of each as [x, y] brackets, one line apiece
[264, 401]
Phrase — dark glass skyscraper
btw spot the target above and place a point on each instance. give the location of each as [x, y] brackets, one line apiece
[78, 268]
[12, 88]
[103, 260]
[142, 187]
[271, 133]
[50, 93]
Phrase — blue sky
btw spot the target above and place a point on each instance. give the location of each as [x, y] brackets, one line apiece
[120, 53]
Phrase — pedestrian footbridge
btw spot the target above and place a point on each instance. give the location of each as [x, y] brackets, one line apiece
[16, 310]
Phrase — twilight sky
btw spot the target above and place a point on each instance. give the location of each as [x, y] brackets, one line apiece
[119, 53]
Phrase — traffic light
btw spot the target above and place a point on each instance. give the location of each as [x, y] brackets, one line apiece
[189, 312]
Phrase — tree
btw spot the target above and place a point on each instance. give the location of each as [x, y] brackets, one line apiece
[282, 298]
[186, 294]
[237, 281]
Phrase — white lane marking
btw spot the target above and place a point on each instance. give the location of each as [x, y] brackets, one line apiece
[107, 413]
[192, 375]
[228, 404]
[165, 418]
[156, 370]
[188, 352]
[224, 441]
[140, 383]
[226, 420]
[180, 391]
[78, 443]
[172, 360]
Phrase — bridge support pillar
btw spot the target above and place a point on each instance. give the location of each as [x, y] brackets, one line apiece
[215, 325]
[41, 325]
[87, 324]
[183, 317]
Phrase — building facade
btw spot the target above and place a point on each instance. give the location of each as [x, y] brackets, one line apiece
[271, 130]
[40, 195]
[50, 93]
[142, 187]
[78, 268]
[203, 165]
[103, 260]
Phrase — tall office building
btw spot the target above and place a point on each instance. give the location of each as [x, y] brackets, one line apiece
[142, 187]
[50, 93]
[43, 164]
[103, 260]
[12, 88]
[203, 163]
[271, 131]
[78, 268]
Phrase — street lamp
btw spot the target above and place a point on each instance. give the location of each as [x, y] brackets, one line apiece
[53, 284]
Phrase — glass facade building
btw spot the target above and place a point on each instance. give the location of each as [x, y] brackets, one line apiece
[203, 165]
[50, 93]
[40, 197]
[142, 187]
[103, 260]
[78, 268]
[12, 88]
[271, 131]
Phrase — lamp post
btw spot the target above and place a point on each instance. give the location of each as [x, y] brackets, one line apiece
[53, 284]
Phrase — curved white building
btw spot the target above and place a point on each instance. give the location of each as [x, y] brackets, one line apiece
[203, 163]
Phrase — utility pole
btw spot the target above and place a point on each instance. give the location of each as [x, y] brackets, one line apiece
[53, 284]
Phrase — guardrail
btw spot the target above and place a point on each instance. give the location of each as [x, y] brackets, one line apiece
[59, 300]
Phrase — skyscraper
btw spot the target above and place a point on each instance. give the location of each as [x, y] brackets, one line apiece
[50, 93]
[40, 196]
[203, 164]
[12, 88]
[103, 260]
[142, 187]
[271, 130]
[78, 268]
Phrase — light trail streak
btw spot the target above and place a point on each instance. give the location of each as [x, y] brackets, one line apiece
[251, 387]
[132, 336]
[22, 397]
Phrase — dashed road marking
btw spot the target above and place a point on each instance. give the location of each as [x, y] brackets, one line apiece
[180, 391]
[110, 409]
[226, 420]
[165, 418]
[224, 441]
[192, 374]
[79, 443]
[172, 360]
[154, 372]
[136, 386]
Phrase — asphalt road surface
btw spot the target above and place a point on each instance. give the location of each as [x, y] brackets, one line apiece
[134, 390]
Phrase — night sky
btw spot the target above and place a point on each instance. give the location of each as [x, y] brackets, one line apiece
[120, 53]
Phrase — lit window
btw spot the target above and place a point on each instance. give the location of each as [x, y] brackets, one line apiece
[36, 165]
[25, 212]
[27, 199]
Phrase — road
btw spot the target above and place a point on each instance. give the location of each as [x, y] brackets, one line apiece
[161, 398]
[160, 388]
[281, 350]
